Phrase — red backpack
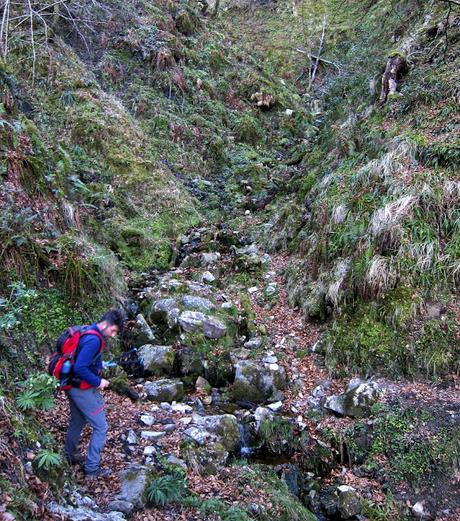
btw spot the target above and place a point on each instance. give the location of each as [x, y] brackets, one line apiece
[67, 349]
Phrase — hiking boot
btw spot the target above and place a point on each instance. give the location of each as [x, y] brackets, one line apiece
[76, 459]
[99, 473]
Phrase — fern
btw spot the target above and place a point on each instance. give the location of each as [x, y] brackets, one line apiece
[165, 489]
[38, 392]
[47, 459]
[27, 400]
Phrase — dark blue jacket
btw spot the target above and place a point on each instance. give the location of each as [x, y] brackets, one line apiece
[88, 363]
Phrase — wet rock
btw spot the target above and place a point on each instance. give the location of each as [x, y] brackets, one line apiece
[194, 302]
[158, 360]
[133, 482]
[357, 399]
[164, 390]
[257, 382]
[349, 503]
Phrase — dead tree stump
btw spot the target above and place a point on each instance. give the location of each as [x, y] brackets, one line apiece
[395, 69]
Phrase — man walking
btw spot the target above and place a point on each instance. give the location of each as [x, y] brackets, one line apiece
[86, 403]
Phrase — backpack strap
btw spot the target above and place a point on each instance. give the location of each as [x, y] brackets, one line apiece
[96, 333]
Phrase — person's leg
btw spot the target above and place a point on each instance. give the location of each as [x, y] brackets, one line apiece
[76, 423]
[92, 406]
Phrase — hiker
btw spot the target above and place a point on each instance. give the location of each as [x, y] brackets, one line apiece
[86, 403]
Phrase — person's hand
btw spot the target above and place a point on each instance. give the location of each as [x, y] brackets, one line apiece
[104, 383]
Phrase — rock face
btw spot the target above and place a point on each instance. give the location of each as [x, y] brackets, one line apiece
[133, 482]
[357, 399]
[349, 504]
[164, 390]
[157, 360]
[221, 429]
[257, 382]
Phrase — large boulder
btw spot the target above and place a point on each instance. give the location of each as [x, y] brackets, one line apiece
[164, 390]
[357, 399]
[191, 320]
[222, 428]
[211, 327]
[257, 382]
[165, 311]
[141, 332]
[133, 483]
[206, 459]
[157, 360]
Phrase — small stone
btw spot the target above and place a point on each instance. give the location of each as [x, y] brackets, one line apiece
[208, 277]
[207, 400]
[253, 343]
[131, 437]
[149, 450]
[170, 427]
[148, 420]
[247, 212]
[253, 289]
[270, 359]
[176, 461]
[227, 305]
[118, 505]
[181, 408]
[152, 435]
[275, 407]
[165, 406]
[202, 385]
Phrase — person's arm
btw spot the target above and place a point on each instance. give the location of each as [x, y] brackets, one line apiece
[89, 348]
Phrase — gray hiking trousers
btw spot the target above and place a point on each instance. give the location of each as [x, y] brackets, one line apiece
[86, 406]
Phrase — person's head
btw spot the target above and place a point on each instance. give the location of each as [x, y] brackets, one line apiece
[112, 322]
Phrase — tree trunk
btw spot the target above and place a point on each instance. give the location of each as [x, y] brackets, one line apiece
[395, 69]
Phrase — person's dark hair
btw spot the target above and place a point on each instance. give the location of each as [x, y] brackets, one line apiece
[115, 317]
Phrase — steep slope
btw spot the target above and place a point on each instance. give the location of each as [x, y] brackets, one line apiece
[373, 217]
